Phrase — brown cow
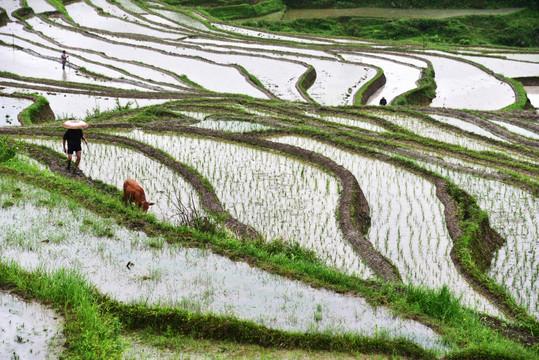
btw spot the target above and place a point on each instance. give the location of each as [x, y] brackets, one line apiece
[135, 193]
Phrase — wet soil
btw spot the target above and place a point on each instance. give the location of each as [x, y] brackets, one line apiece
[353, 208]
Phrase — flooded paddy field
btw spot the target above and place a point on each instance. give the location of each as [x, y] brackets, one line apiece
[191, 279]
[123, 36]
[29, 330]
[406, 219]
[513, 213]
[326, 221]
[11, 108]
[265, 191]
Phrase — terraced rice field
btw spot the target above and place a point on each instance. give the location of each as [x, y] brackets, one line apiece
[315, 218]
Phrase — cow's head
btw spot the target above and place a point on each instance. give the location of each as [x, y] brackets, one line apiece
[145, 205]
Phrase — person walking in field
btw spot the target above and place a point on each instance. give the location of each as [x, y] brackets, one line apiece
[73, 138]
[383, 101]
[64, 59]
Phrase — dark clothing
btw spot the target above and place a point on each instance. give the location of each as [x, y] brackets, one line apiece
[73, 137]
[383, 101]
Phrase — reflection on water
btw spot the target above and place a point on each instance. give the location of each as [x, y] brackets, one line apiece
[28, 330]
[10, 109]
[193, 279]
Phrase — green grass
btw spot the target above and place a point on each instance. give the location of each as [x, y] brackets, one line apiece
[408, 4]
[59, 5]
[90, 333]
[460, 326]
[31, 114]
[8, 150]
[423, 94]
[514, 30]
[251, 77]
[230, 10]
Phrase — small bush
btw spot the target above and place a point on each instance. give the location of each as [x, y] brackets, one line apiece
[7, 151]
[438, 304]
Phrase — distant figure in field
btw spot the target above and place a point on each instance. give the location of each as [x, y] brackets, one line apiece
[73, 138]
[383, 101]
[64, 59]
[135, 193]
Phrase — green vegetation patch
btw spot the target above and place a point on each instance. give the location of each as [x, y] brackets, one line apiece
[7, 149]
[242, 11]
[37, 112]
[520, 29]
[438, 308]
[90, 332]
[408, 4]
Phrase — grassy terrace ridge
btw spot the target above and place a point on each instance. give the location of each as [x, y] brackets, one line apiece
[472, 23]
[290, 262]
[516, 29]
[409, 301]
[404, 136]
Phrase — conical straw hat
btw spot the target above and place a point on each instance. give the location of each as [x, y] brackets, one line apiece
[75, 124]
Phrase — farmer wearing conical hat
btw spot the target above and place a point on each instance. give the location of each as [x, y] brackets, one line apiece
[73, 138]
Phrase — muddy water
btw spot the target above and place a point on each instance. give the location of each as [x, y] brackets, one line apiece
[130, 6]
[266, 35]
[425, 129]
[294, 14]
[192, 279]
[182, 19]
[520, 57]
[34, 65]
[533, 95]
[464, 125]
[87, 16]
[113, 165]
[407, 222]
[513, 213]
[40, 6]
[28, 330]
[231, 126]
[211, 76]
[79, 106]
[10, 6]
[10, 109]
[117, 78]
[267, 191]
[400, 78]
[463, 86]
[508, 68]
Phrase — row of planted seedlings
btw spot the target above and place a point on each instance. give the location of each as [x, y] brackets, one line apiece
[264, 190]
[446, 253]
[394, 137]
[495, 150]
[160, 278]
[480, 217]
[521, 231]
[348, 123]
[365, 127]
[407, 222]
[512, 213]
[527, 255]
[515, 171]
